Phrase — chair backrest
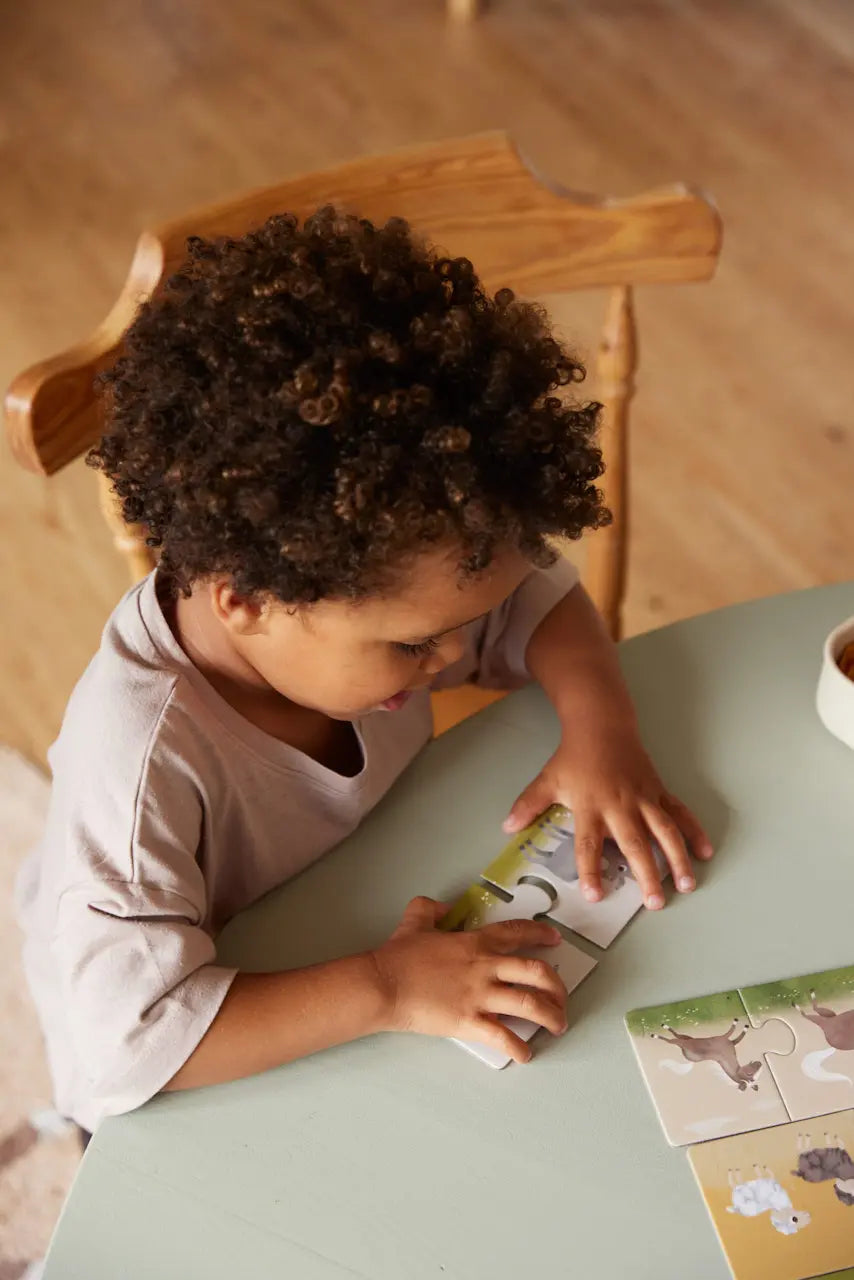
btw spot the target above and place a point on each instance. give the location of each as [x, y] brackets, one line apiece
[474, 196]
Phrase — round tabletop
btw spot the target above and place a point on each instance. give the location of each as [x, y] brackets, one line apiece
[400, 1156]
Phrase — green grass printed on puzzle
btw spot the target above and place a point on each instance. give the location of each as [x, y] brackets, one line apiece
[470, 909]
[764, 999]
[778, 997]
[511, 860]
[686, 1013]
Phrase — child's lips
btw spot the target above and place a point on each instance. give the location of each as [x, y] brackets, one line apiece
[397, 700]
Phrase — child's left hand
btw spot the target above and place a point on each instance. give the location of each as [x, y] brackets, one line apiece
[613, 788]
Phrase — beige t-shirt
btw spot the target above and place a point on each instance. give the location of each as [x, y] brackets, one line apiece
[170, 813]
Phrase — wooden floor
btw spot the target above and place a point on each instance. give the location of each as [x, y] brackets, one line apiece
[118, 116]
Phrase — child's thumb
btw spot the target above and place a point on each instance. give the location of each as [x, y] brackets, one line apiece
[420, 914]
[531, 803]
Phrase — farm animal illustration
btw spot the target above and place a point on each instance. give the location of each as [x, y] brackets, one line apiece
[764, 1194]
[615, 869]
[825, 1164]
[838, 1028]
[555, 848]
[719, 1049]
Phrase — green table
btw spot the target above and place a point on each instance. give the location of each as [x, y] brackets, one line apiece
[402, 1158]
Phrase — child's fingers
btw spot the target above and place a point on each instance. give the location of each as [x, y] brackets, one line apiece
[440, 910]
[489, 1031]
[672, 845]
[698, 842]
[534, 1006]
[420, 914]
[587, 844]
[524, 972]
[534, 799]
[633, 839]
[517, 935]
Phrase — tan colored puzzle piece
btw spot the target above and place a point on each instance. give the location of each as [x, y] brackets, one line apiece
[774, 1039]
[705, 1067]
[818, 1076]
[778, 1198]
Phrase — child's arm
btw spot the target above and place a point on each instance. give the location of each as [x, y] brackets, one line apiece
[443, 984]
[601, 769]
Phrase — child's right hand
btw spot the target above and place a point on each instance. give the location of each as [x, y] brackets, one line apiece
[457, 984]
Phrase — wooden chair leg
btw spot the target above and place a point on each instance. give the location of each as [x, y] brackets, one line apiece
[129, 540]
[606, 571]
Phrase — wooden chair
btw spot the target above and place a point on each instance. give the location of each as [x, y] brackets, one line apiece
[474, 196]
[464, 10]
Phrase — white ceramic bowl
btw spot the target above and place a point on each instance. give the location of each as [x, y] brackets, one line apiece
[835, 695]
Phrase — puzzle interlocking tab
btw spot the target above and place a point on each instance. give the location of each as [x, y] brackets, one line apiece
[544, 854]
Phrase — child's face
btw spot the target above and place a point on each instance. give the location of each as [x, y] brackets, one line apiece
[346, 660]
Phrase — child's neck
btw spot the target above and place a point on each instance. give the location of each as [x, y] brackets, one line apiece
[207, 644]
[210, 649]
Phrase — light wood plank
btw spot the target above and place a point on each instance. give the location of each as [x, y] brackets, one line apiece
[117, 117]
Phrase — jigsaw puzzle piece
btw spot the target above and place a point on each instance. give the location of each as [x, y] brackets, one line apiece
[780, 1199]
[480, 906]
[818, 1076]
[544, 854]
[703, 1063]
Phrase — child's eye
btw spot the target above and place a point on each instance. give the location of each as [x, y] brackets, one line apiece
[419, 650]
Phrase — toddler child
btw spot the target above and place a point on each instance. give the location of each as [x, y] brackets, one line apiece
[353, 461]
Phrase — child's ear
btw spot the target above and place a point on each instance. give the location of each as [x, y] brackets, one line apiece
[241, 614]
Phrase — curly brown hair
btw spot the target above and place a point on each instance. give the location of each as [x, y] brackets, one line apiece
[306, 407]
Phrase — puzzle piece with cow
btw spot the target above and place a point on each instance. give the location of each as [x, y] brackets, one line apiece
[705, 1066]
[818, 1076]
[749, 1058]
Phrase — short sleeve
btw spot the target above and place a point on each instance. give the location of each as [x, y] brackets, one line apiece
[136, 968]
[139, 986]
[494, 656]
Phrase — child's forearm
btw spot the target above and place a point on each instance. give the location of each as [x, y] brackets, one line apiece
[574, 659]
[422, 979]
[268, 1019]
[601, 770]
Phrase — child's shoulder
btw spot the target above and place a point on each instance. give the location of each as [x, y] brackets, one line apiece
[132, 697]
